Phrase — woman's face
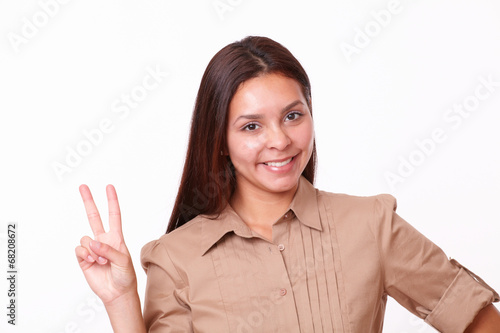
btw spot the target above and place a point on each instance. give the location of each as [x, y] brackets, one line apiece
[270, 134]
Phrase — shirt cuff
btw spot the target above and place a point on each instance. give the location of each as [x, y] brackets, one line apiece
[461, 302]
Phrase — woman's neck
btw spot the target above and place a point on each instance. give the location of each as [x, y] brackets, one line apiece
[259, 210]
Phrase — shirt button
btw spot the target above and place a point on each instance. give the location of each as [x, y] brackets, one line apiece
[281, 247]
[286, 215]
[283, 292]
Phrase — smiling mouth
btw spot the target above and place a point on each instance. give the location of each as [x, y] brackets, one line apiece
[279, 164]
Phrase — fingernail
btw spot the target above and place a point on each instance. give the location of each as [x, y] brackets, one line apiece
[89, 258]
[101, 260]
[95, 244]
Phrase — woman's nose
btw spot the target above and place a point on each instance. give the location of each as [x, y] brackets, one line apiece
[277, 138]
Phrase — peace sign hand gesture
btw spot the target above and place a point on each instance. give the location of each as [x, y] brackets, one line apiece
[105, 260]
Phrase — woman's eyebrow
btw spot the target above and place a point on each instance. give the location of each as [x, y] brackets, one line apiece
[291, 105]
[249, 116]
[260, 116]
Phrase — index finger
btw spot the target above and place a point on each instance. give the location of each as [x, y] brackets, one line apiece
[91, 209]
[115, 219]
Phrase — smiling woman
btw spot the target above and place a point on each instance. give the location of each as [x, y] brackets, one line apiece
[270, 140]
[252, 246]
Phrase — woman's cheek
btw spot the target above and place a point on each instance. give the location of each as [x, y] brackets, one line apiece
[250, 146]
[305, 135]
[253, 144]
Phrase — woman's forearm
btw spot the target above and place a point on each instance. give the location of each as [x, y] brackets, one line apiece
[125, 314]
[486, 321]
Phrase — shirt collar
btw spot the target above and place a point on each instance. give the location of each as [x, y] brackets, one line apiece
[304, 205]
[215, 227]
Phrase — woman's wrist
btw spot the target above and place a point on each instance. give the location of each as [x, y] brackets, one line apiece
[125, 313]
[124, 298]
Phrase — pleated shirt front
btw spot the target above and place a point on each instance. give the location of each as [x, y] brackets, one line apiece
[332, 262]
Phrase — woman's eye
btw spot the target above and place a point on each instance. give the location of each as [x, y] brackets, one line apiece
[251, 127]
[293, 115]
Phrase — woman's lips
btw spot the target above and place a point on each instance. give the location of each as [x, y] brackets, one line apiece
[279, 164]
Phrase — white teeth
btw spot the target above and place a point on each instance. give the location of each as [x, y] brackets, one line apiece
[279, 164]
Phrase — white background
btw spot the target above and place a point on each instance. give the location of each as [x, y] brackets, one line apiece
[63, 77]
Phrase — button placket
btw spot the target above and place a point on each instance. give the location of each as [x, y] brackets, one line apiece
[282, 292]
[286, 217]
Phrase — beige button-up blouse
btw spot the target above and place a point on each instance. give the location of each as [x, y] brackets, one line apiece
[333, 260]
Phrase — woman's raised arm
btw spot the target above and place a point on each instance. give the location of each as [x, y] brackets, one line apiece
[107, 265]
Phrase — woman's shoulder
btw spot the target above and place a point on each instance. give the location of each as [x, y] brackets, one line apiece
[182, 242]
[355, 212]
[371, 203]
[309, 195]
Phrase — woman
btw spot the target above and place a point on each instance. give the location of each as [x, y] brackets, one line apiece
[252, 246]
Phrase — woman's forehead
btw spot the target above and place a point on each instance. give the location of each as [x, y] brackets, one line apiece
[266, 92]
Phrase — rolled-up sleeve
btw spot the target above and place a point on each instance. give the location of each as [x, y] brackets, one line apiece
[165, 305]
[419, 276]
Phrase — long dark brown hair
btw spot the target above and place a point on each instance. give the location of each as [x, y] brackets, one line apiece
[208, 179]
